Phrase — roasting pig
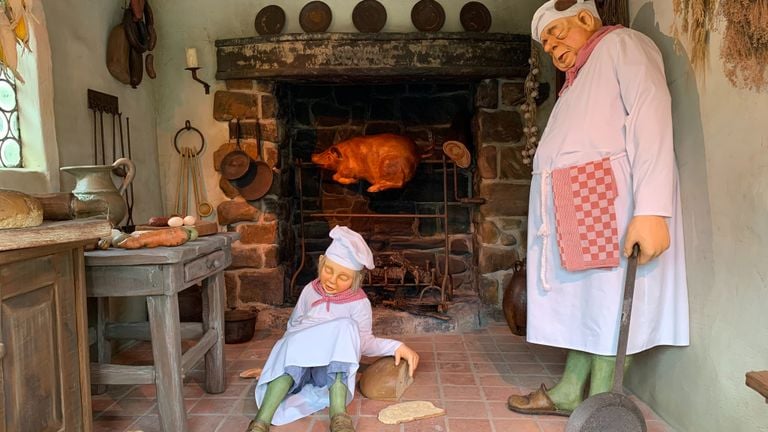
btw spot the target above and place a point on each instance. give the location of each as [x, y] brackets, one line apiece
[387, 161]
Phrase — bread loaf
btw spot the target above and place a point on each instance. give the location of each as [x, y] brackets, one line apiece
[19, 210]
[409, 411]
[384, 381]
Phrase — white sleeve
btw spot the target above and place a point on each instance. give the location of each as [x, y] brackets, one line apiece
[370, 345]
[302, 305]
[644, 92]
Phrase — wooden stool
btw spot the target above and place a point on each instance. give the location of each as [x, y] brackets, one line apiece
[160, 274]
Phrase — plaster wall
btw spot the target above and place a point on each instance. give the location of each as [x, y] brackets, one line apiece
[198, 23]
[721, 144]
[78, 32]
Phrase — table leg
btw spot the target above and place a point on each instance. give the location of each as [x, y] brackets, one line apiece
[166, 349]
[103, 345]
[213, 318]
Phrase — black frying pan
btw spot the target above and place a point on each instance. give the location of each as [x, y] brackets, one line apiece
[613, 411]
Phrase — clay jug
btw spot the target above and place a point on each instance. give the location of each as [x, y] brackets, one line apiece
[514, 302]
[94, 182]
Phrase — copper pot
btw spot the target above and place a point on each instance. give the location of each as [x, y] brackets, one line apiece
[514, 303]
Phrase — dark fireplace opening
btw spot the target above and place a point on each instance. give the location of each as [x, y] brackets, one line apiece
[410, 251]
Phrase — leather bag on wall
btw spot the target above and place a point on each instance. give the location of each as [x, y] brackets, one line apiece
[118, 52]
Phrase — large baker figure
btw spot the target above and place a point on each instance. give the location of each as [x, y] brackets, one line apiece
[604, 179]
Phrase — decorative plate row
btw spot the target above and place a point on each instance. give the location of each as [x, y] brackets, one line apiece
[370, 16]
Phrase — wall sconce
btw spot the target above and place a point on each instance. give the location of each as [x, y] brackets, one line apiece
[192, 66]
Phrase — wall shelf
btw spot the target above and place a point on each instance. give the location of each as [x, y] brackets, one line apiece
[373, 57]
[758, 381]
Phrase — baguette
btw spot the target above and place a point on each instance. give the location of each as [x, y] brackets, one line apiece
[409, 411]
[161, 237]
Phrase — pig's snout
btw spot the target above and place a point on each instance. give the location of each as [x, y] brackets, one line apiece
[327, 159]
[321, 159]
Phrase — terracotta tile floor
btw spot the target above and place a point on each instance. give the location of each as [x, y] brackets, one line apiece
[470, 375]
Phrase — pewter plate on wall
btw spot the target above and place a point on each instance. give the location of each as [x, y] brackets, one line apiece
[315, 17]
[270, 20]
[369, 16]
[475, 17]
[428, 16]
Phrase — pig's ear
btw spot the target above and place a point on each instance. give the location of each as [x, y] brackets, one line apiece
[335, 152]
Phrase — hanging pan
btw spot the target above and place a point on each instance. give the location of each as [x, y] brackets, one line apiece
[613, 411]
[235, 163]
[257, 179]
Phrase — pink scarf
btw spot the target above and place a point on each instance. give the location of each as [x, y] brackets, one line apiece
[347, 296]
[584, 53]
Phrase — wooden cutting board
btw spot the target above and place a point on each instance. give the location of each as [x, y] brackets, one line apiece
[203, 228]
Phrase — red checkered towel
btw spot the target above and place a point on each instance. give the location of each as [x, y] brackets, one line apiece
[587, 232]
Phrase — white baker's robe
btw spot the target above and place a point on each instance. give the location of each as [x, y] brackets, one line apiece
[618, 107]
[316, 337]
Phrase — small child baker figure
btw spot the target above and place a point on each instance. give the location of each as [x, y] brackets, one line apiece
[313, 365]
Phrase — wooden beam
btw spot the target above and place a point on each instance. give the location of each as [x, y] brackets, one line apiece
[758, 381]
[121, 374]
[194, 354]
[140, 331]
[48, 233]
[374, 57]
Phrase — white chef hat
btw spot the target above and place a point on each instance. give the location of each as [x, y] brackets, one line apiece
[349, 249]
[549, 12]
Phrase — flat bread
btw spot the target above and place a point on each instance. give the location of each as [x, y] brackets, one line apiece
[409, 411]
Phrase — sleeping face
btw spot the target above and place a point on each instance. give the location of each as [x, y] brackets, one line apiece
[334, 277]
[564, 37]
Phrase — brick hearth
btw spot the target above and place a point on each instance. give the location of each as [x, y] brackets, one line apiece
[295, 119]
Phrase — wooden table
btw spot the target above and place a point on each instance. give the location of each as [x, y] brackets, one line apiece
[44, 381]
[160, 274]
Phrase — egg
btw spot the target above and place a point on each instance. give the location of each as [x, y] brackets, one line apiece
[175, 221]
[190, 220]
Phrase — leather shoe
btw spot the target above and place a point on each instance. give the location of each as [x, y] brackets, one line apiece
[257, 426]
[537, 402]
[342, 423]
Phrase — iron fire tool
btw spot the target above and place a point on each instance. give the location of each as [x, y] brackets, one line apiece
[100, 103]
[613, 411]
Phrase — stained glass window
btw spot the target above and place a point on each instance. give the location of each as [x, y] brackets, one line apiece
[10, 139]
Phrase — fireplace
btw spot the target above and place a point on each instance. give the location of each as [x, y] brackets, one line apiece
[450, 234]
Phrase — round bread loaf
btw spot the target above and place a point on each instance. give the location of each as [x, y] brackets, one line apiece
[382, 380]
[19, 210]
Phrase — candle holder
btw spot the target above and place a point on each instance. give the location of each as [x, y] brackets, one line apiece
[194, 77]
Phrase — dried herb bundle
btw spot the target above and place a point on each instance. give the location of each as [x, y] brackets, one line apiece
[696, 20]
[745, 43]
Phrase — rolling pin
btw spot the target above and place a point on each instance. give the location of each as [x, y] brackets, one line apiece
[66, 206]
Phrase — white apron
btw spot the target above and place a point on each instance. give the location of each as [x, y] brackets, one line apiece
[316, 336]
[618, 107]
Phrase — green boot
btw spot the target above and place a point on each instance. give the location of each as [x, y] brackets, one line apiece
[601, 377]
[277, 389]
[340, 420]
[569, 392]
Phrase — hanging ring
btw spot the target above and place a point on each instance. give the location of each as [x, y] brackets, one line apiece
[187, 127]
